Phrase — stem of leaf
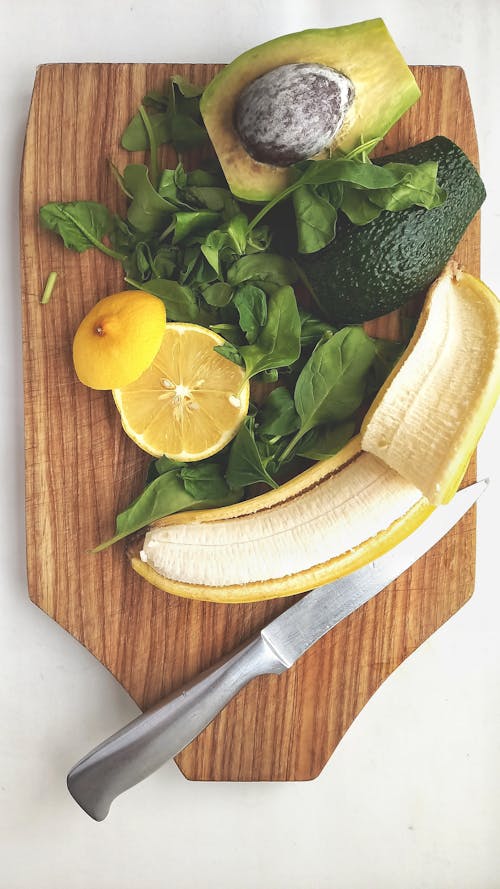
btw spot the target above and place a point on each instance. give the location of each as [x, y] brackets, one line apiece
[269, 206]
[121, 257]
[153, 147]
[49, 286]
[291, 444]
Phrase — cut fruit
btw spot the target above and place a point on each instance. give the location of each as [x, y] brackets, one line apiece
[374, 88]
[350, 509]
[118, 339]
[321, 525]
[190, 402]
[426, 420]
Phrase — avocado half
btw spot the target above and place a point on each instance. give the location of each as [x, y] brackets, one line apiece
[383, 89]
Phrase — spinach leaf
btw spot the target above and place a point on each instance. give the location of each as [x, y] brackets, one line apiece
[170, 493]
[232, 333]
[135, 137]
[277, 416]
[204, 481]
[175, 117]
[387, 353]
[312, 328]
[325, 441]
[315, 219]
[251, 304]
[262, 268]
[218, 294]
[417, 187]
[180, 302]
[357, 206]
[278, 343]
[227, 350]
[392, 186]
[332, 383]
[81, 224]
[148, 211]
[191, 222]
[245, 464]
[213, 198]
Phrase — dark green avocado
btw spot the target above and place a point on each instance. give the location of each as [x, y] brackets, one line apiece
[370, 270]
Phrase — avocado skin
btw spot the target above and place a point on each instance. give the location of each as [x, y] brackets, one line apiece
[370, 270]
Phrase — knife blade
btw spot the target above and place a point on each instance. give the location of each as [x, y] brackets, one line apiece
[146, 743]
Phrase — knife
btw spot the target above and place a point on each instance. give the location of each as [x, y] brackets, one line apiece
[146, 743]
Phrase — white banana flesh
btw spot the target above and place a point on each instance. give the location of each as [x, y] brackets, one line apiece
[422, 423]
[338, 514]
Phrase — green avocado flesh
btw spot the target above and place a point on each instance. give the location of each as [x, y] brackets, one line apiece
[370, 270]
[363, 53]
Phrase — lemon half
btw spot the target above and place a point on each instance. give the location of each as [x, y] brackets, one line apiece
[118, 339]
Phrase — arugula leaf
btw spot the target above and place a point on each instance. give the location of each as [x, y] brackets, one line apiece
[172, 492]
[278, 343]
[251, 304]
[277, 416]
[325, 441]
[245, 464]
[81, 225]
[180, 302]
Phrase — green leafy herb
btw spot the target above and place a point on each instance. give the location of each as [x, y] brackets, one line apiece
[325, 441]
[174, 118]
[180, 302]
[81, 225]
[246, 465]
[312, 328]
[169, 493]
[251, 304]
[148, 211]
[229, 351]
[391, 187]
[332, 384]
[277, 416]
[264, 269]
[278, 343]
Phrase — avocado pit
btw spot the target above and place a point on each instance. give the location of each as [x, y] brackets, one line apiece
[292, 112]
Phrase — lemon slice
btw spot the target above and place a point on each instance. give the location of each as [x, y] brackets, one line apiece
[190, 402]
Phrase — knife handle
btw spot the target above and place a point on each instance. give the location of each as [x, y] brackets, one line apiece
[147, 742]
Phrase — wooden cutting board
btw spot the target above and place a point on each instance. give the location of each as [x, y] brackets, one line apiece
[81, 469]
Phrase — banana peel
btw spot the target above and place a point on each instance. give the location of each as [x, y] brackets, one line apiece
[413, 450]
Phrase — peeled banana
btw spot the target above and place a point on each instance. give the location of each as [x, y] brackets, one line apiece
[414, 447]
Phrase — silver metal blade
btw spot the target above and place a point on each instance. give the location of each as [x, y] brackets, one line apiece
[294, 631]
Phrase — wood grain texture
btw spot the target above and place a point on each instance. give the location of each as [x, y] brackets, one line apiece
[81, 469]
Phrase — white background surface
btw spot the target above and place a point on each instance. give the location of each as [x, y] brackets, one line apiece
[411, 797]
